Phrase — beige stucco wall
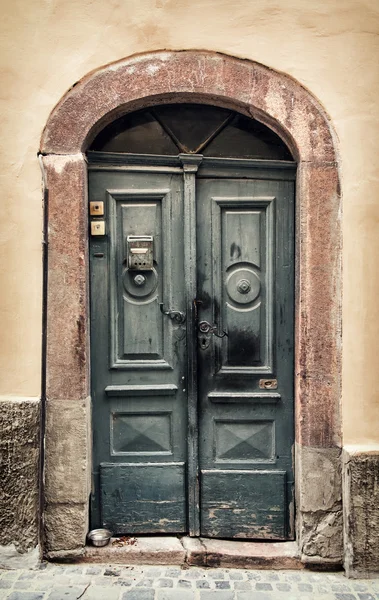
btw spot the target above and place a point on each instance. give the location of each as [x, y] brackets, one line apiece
[329, 46]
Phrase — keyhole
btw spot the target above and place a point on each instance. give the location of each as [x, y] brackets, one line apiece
[204, 342]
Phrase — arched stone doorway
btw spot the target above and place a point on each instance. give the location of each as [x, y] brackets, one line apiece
[290, 111]
[192, 289]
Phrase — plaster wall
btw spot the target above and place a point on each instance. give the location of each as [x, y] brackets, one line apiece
[328, 46]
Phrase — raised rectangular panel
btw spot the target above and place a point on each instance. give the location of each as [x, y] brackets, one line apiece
[244, 237]
[243, 504]
[238, 441]
[140, 328]
[141, 433]
[241, 236]
[140, 337]
[141, 498]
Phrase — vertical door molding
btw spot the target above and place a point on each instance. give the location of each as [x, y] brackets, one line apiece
[191, 164]
[298, 118]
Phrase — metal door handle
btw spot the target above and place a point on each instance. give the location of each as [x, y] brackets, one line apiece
[205, 327]
[175, 315]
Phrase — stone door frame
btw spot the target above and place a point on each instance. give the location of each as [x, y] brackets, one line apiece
[291, 111]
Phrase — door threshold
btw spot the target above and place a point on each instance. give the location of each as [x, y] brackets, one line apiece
[202, 552]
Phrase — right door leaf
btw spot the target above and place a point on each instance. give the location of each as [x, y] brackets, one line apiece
[245, 284]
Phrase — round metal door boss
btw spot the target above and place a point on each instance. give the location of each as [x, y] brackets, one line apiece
[243, 285]
[140, 286]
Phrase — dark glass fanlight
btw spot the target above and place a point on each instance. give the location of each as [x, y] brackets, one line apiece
[171, 129]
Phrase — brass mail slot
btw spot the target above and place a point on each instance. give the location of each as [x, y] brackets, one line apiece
[140, 252]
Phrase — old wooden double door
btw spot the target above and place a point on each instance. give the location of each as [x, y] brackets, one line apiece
[192, 354]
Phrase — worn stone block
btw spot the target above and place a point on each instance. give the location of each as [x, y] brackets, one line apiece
[287, 103]
[19, 462]
[270, 96]
[67, 322]
[67, 451]
[322, 537]
[361, 512]
[320, 486]
[249, 555]
[65, 526]
[146, 551]
[319, 504]
[318, 322]
[241, 554]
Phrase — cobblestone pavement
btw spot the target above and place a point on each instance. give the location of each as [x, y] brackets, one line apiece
[102, 582]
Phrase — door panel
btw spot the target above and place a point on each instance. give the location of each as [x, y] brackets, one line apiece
[243, 504]
[138, 358]
[242, 253]
[245, 288]
[140, 338]
[139, 492]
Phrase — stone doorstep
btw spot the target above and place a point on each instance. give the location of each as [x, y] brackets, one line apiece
[202, 552]
[240, 554]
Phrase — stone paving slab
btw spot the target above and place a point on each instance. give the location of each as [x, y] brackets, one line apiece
[162, 582]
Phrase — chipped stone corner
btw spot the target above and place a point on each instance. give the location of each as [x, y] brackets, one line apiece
[59, 162]
[66, 555]
[361, 511]
[319, 505]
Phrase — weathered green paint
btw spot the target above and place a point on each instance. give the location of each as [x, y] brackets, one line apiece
[143, 498]
[138, 357]
[243, 504]
[176, 410]
[245, 283]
